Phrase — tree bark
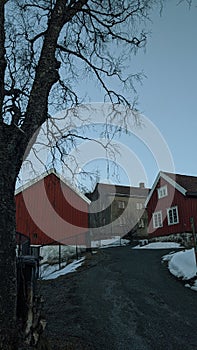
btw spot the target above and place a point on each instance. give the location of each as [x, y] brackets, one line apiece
[2, 56]
[15, 138]
[8, 290]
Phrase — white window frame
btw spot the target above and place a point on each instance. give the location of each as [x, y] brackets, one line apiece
[139, 206]
[157, 219]
[121, 204]
[122, 220]
[141, 223]
[162, 192]
[173, 210]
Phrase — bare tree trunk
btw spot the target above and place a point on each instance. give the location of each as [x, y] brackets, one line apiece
[8, 289]
[7, 270]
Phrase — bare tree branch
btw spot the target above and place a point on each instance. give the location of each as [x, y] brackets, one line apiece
[41, 45]
[47, 68]
[2, 56]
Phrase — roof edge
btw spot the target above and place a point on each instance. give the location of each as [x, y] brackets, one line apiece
[152, 189]
[174, 183]
[191, 194]
[60, 177]
[170, 181]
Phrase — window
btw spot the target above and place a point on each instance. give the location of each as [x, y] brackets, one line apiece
[139, 206]
[173, 217]
[141, 223]
[157, 219]
[121, 204]
[122, 221]
[162, 192]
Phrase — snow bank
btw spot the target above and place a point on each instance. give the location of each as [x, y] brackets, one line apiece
[49, 265]
[183, 265]
[46, 270]
[50, 253]
[158, 245]
[52, 272]
[111, 242]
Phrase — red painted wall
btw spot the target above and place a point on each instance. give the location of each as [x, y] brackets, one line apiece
[187, 207]
[49, 211]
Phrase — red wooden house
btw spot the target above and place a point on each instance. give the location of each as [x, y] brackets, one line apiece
[49, 210]
[170, 204]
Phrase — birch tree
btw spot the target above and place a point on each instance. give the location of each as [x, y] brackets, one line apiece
[46, 46]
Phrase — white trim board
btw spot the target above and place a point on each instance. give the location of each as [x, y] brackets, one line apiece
[169, 180]
[60, 177]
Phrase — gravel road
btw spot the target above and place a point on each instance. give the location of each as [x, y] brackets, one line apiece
[121, 299]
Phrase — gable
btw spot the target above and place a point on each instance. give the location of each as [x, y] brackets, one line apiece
[49, 210]
[50, 173]
[188, 182]
[171, 180]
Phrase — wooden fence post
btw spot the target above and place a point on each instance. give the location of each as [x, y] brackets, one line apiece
[60, 257]
[194, 237]
[77, 254]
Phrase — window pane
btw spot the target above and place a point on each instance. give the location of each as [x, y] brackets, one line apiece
[170, 216]
[173, 216]
[157, 219]
[121, 204]
[162, 192]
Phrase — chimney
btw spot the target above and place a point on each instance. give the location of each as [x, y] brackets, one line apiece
[141, 185]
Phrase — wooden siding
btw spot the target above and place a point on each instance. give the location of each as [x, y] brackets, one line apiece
[109, 222]
[50, 211]
[187, 207]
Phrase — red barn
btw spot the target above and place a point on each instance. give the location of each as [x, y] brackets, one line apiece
[49, 210]
[170, 205]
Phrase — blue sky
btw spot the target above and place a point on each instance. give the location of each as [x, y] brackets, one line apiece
[168, 94]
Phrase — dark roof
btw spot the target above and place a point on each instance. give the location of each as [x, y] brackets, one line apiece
[120, 190]
[188, 182]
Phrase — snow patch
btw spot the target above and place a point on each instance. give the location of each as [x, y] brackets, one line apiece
[183, 265]
[54, 263]
[52, 272]
[111, 242]
[158, 245]
[50, 253]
